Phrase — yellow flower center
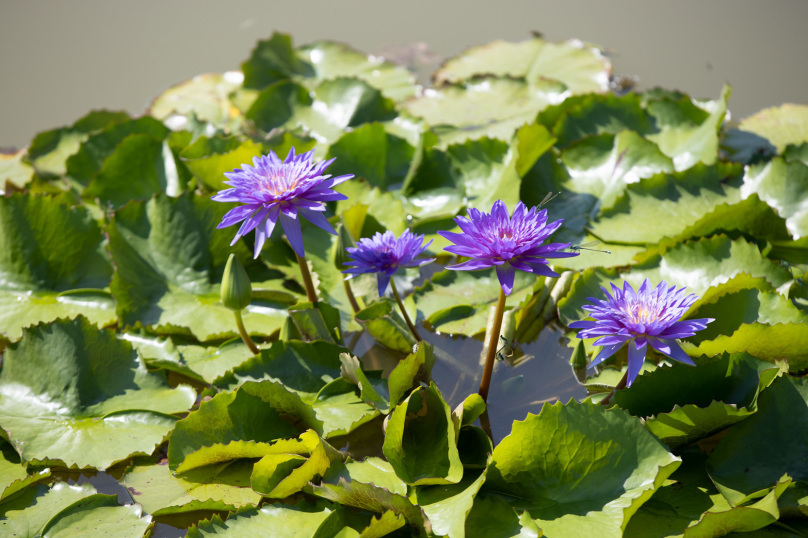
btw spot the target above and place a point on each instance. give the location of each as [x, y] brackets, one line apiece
[642, 315]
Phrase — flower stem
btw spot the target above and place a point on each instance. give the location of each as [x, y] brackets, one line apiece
[493, 340]
[351, 298]
[404, 311]
[621, 385]
[307, 281]
[243, 333]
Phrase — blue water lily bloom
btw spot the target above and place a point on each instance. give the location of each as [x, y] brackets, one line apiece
[648, 316]
[507, 243]
[273, 190]
[383, 254]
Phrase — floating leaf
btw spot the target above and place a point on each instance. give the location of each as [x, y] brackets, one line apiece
[334, 60]
[231, 416]
[603, 165]
[285, 521]
[768, 342]
[206, 97]
[52, 263]
[420, 440]
[25, 515]
[471, 293]
[383, 322]
[13, 475]
[50, 150]
[756, 453]
[588, 468]
[782, 185]
[169, 259]
[487, 170]
[273, 60]
[667, 203]
[74, 394]
[447, 506]
[324, 113]
[681, 404]
[210, 158]
[582, 68]
[218, 487]
[781, 125]
[370, 152]
[14, 171]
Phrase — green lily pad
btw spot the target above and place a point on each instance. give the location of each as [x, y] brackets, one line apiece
[415, 366]
[288, 468]
[302, 519]
[25, 515]
[492, 517]
[594, 114]
[420, 440]
[681, 403]
[471, 293]
[206, 97]
[13, 475]
[484, 106]
[14, 171]
[782, 185]
[756, 453]
[204, 437]
[781, 125]
[370, 152]
[334, 60]
[53, 264]
[169, 258]
[667, 203]
[588, 468]
[272, 60]
[686, 141]
[324, 113]
[139, 167]
[603, 165]
[702, 264]
[210, 158]
[487, 170]
[384, 323]
[448, 506]
[219, 487]
[76, 395]
[373, 389]
[370, 485]
[88, 160]
[769, 342]
[581, 67]
[49, 151]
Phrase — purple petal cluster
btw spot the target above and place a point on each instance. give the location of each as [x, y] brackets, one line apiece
[648, 316]
[273, 190]
[383, 254]
[507, 243]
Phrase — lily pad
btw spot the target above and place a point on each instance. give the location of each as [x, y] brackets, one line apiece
[781, 125]
[169, 258]
[581, 67]
[588, 468]
[53, 264]
[76, 395]
[782, 185]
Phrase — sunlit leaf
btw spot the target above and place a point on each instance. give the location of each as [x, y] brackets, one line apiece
[74, 394]
[782, 185]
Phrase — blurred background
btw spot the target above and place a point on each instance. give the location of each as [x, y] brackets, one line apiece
[61, 59]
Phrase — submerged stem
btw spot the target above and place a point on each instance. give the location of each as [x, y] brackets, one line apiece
[493, 340]
[619, 386]
[404, 311]
[307, 281]
[243, 333]
[351, 298]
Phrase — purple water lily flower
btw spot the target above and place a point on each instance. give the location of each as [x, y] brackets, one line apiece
[649, 316]
[383, 254]
[273, 190]
[507, 243]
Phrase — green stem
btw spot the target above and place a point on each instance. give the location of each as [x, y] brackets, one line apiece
[243, 333]
[404, 311]
[307, 281]
[620, 385]
[351, 298]
[493, 340]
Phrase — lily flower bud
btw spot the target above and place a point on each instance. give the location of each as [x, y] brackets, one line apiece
[236, 289]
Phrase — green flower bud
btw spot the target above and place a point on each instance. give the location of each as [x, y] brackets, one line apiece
[236, 289]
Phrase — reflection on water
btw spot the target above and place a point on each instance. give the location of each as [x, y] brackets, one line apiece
[536, 373]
